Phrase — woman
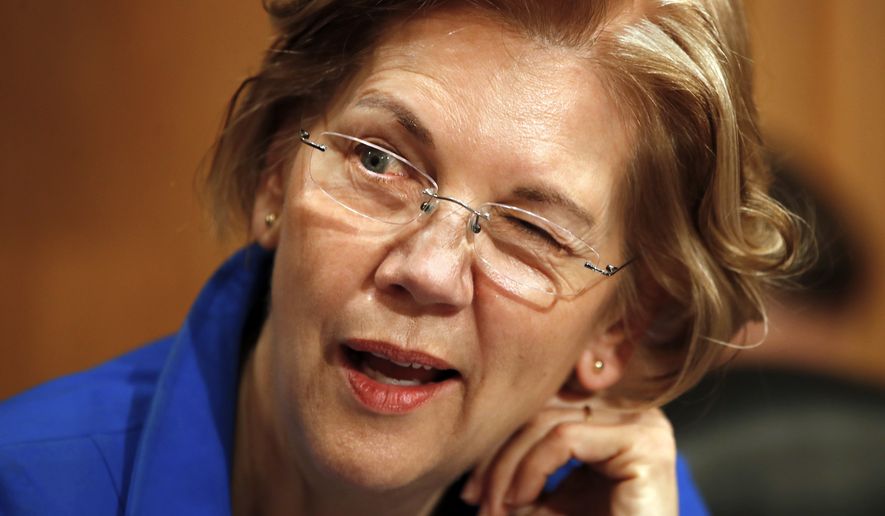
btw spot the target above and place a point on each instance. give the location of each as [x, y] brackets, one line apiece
[490, 236]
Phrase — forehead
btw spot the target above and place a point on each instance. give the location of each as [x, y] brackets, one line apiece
[508, 104]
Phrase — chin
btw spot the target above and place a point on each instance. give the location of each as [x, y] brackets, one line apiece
[382, 462]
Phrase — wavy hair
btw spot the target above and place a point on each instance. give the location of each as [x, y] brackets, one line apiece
[707, 236]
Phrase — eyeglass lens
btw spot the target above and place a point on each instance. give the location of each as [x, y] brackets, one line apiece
[521, 251]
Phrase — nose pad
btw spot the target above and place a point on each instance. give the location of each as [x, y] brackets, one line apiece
[432, 201]
[431, 263]
[474, 224]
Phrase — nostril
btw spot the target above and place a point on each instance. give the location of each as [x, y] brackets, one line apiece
[398, 288]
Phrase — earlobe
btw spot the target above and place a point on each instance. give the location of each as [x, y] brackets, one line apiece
[603, 362]
[266, 213]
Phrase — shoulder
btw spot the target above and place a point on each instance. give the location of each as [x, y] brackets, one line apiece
[107, 398]
[73, 437]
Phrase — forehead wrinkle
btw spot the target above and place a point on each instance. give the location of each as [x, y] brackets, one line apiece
[430, 97]
[404, 116]
[523, 139]
[408, 48]
[516, 63]
[520, 124]
[520, 96]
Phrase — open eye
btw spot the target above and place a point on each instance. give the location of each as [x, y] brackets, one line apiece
[377, 161]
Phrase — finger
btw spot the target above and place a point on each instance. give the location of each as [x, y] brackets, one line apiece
[631, 451]
[472, 490]
[584, 441]
[500, 473]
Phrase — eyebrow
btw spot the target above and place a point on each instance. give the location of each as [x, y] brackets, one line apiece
[406, 117]
[550, 196]
[410, 121]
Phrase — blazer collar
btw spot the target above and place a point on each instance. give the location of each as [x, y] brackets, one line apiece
[183, 460]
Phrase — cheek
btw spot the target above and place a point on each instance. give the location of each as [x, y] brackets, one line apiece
[319, 260]
[525, 347]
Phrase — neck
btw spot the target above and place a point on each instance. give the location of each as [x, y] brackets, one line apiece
[267, 480]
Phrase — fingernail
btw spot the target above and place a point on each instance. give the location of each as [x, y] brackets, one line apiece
[470, 493]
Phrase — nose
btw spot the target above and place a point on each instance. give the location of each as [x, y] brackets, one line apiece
[431, 262]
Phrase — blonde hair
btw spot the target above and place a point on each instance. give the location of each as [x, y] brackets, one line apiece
[709, 235]
[697, 214]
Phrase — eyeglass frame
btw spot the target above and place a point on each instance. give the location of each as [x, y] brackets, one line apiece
[426, 207]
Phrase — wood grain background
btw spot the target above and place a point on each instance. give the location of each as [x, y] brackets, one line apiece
[107, 109]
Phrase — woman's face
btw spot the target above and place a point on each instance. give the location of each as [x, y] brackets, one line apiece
[490, 116]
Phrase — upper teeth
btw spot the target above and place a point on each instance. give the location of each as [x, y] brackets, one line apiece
[402, 364]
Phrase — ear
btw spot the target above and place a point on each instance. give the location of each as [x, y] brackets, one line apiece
[603, 362]
[267, 210]
[600, 366]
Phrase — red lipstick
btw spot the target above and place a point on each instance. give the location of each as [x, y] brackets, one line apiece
[388, 379]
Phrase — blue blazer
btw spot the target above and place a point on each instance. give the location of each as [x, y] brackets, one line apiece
[151, 432]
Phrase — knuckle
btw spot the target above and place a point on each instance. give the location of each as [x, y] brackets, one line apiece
[563, 432]
[658, 445]
[655, 441]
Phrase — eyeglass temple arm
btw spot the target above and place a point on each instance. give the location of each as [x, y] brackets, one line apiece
[305, 135]
[609, 270]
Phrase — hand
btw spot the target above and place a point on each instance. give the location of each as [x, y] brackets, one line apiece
[629, 466]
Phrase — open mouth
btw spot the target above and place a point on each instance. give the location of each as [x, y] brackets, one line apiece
[397, 371]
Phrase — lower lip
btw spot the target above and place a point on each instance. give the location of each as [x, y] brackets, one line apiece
[392, 399]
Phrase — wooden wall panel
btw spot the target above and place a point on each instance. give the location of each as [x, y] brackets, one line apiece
[108, 109]
[820, 78]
